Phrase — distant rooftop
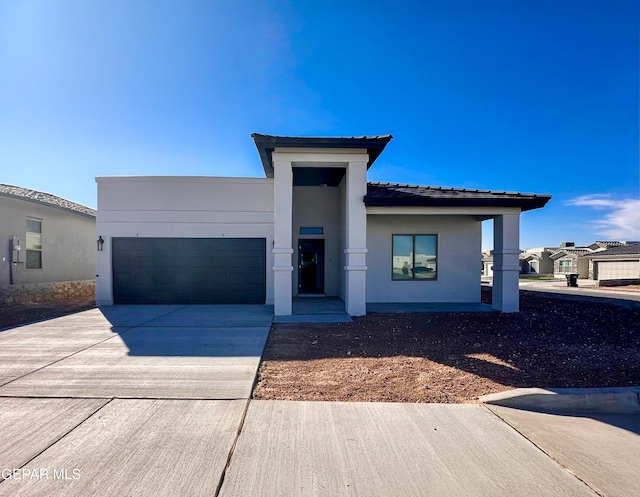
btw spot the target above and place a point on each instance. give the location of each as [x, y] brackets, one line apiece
[45, 198]
[629, 248]
[394, 194]
[570, 251]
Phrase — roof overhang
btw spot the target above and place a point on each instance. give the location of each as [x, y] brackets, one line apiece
[613, 257]
[523, 203]
[67, 206]
[528, 257]
[561, 254]
[266, 144]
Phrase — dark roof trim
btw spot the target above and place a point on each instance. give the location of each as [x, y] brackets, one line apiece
[267, 143]
[630, 248]
[47, 199]
[396, 195]
[569, 253]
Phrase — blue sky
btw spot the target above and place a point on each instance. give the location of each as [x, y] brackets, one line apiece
[533, 96]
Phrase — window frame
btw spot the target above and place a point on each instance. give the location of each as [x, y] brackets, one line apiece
[413, 275]
[31, 249]
[311, 230]
[563, 269]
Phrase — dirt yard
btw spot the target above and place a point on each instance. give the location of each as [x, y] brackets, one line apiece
[453, 358]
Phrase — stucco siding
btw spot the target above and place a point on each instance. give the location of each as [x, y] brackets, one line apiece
[317, 206]
[459, 244]
[177, 207]
[68, 243]
[342, 192]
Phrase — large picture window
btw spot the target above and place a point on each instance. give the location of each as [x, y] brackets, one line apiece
[34, 244]
[415, 257]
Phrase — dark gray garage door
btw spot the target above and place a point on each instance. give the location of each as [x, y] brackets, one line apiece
[189, 270]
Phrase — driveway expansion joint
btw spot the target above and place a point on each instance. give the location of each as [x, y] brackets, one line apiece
[65, 434]
[232, 449]
[555, 461]
[115, 334]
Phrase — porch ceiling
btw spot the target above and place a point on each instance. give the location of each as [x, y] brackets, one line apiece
[318, 176]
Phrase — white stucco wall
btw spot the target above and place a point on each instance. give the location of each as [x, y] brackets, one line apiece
[342, 192]
[319, 207]
[459, 246]
[68, 242]
[182, 207]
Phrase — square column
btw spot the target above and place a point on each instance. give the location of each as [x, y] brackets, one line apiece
[356, 240]
[506, 267]
[282, 250]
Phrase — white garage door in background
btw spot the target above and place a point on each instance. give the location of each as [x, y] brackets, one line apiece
[618, 270]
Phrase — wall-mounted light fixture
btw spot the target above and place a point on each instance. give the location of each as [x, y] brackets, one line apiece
[100, 243]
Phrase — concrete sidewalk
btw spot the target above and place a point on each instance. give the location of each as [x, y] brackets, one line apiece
[593, 432]
[374, 449]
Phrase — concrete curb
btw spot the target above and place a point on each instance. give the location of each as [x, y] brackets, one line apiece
[621, 301]
[612, 400]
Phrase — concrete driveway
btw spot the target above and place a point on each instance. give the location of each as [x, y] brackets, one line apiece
[126, 400]
[192, 352]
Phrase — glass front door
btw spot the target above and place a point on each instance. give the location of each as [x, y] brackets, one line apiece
[310, 266]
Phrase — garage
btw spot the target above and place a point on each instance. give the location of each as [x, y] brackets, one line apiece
[189, 270]
[618, 270]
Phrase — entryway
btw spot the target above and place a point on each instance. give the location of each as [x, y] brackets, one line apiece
[310, 267]
[316, 310]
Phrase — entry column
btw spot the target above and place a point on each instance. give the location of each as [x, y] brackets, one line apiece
[282, 250]
[356, 242]
[506, 267]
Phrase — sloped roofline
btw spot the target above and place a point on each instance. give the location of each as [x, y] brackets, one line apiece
[629, 248]
[401, 195]
[267, 143]
[46, 199]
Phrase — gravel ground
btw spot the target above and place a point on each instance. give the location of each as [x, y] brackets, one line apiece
[453, 358]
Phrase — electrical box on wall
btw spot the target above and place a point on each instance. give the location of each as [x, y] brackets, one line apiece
[16, 249]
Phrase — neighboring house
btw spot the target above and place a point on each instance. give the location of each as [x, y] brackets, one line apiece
[604, 245]
[313, 226]
[537, 260]
[487, 263]
[45, 238]
[569, 261]
[619, 263]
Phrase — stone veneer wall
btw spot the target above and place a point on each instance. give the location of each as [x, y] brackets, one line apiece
[628, 281]
[574, 264]
[61, 291]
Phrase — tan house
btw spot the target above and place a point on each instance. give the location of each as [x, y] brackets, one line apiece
[616, 265]
[44, 238]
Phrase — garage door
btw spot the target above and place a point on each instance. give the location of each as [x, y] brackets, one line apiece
[618, 270]
[189, 270]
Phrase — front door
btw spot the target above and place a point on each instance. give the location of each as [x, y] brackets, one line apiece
[310, 267]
